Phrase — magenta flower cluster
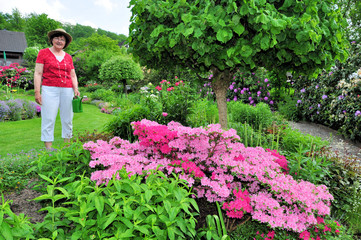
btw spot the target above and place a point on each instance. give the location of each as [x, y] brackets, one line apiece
[219, 168]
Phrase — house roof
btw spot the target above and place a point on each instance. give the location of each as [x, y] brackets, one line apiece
[12, 41]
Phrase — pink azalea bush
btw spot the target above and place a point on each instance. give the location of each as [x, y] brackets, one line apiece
[219, 168]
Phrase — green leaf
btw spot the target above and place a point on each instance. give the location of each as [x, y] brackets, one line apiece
[246, 51]
[224, 35]
[143, 229]
[148, 195]
[110, 219]
[198, 32]
[99, 204]
[222, 23]
[171, 234]
[265, 42]
[5, 230]
[188, 31]
[127, 222]
[239, 29]
[158, 30]
[76, 235]
[286, 4]
[172, 42]
[302, 36]
[186, 18]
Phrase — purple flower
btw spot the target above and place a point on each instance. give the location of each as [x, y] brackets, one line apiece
[250, 98]
[231, 87]
[303, 90]
[266, 80]
[317, 86]
[228, 100]
[310, 108]
[344, 111]
[265, 98]
[341, 97]
[318, 105]
[235, 90]
[259, 93]
[318, 112]
[242, 91]
[235, 98]
[271, 102]
[357, 113]
[299, 101]
[324, 96]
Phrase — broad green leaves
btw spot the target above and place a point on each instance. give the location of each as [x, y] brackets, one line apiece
[229, 34]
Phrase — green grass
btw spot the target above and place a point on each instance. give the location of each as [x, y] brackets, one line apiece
[24, 136]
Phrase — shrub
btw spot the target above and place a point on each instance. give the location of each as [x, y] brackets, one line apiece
[16, 109]
[14, 226]
[254, 138]
[219, 168]
[202, 113]
[291, 140]
[30, 55]
[145, 206]
[30, 109]
[4, 110]
[333, 99]
[259, 116]
[288, 109]
[102, 94]
[121, 125]
[120, 69]
[251, 88]
[92, 87]
[174, 99]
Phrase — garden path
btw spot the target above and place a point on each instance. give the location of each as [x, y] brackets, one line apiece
[339, 145]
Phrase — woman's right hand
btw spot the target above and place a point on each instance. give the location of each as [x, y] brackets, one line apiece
[38, 97]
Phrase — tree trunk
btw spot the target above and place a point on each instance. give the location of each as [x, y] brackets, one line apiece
[220, 85]
[124, 86]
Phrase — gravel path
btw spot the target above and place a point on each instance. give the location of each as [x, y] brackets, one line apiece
[338, 143]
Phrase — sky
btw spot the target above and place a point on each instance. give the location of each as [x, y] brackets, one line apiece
[109, 15]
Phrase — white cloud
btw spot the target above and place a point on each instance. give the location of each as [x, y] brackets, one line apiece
[51, 8]
[107, 4]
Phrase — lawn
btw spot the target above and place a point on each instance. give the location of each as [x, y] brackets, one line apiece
[25, 135]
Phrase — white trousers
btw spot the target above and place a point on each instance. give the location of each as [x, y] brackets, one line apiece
[54, 99]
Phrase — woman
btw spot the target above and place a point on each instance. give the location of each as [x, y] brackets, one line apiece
[55, 74]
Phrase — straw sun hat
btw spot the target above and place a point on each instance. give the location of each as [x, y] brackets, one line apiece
[62, 32]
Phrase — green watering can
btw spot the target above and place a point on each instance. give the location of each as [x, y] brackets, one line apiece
[77, 104]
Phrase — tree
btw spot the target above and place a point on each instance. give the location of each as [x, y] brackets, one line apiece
[351, 10]
[120, 68]
[12, 22]
[79, 31]
[37, 28]
[222, 36]
[119, 37]
[90, 53]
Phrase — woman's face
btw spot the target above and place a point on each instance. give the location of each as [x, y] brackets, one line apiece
[59, 42]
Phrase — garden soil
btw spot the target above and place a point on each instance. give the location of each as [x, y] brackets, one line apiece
[22, 200]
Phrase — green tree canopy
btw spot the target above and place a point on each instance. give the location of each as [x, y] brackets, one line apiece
[224, 35]
[37, 28]
[90, 53]
[120, 69]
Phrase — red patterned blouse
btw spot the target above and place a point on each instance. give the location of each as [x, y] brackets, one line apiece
[55, 73]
